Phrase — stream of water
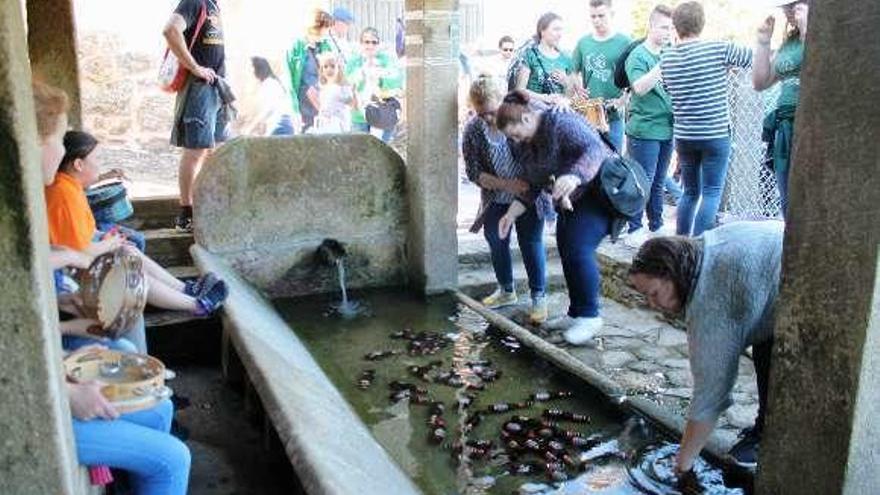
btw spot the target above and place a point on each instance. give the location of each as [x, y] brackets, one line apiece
[466, 410]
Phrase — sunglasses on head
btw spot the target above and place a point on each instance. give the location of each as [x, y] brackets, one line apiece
[370, 42]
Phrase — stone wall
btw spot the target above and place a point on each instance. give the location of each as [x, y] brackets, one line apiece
[124, 107]
[265, 212]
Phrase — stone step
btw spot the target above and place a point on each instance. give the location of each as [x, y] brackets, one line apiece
[154, 212]
[169, 247]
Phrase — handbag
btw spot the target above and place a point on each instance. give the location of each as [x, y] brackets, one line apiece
[172, 75]
[383, 114]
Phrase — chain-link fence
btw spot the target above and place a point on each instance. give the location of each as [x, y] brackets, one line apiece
[750, 191]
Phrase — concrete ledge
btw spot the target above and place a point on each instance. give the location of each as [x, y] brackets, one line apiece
[330, 448]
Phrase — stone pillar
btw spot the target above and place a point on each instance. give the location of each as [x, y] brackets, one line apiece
[36, 447]
[823, 434]
[432, 146]
[51, 39]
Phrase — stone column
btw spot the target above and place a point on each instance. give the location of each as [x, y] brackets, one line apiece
[823, 434]
[51, 39]
[432, 147]
[36, 447]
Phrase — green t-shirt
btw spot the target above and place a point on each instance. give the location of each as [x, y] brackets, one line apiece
[787, 66]
[383, 80]
[541, 66]
[649, 116]
[595, 60]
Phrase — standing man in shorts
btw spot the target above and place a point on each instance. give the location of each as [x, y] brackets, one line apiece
[200, 120]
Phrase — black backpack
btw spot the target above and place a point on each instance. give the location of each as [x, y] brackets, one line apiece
[621, 80]
[622, 188]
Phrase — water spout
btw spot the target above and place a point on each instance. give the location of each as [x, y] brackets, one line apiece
[330, 252]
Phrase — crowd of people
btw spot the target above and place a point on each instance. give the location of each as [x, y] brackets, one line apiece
[535, 160]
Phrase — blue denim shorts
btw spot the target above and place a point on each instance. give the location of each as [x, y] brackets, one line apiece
[200, 116]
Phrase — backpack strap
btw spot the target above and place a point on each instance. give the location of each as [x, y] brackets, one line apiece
[607, 140]
[546, 76]
[203, 16]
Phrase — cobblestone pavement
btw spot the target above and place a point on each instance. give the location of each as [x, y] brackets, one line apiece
[646, 355]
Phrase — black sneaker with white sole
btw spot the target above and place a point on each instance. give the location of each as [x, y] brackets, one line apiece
[745, 450]
[183, 223]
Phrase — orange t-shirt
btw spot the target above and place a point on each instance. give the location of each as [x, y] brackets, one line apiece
[71, 222]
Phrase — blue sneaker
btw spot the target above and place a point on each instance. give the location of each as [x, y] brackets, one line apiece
[211, 299]
[194, 288]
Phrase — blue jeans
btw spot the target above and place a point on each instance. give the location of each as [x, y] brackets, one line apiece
[578, 234]
[139, 443]
[387, 134]
[615, 134]
[133, 340]
[530, 234]
[653, 155]
[135, 237]
[284, 127]
[703, 172]
[782, 174]
[673, 189]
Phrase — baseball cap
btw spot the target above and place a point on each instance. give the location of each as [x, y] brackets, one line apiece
[343, 14]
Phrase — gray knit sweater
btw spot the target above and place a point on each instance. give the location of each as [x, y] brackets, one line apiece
[730, 308]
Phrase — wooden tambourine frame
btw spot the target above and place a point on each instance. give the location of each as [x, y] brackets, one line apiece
[131, 382]
[129, 284]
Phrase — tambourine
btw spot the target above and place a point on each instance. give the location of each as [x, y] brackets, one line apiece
[131, 381]
[593, 109]
[114, 291]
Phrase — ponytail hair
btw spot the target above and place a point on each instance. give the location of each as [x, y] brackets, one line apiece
[513, 107]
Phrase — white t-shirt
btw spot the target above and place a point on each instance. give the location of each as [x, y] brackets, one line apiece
[335, 113]
[272, 100]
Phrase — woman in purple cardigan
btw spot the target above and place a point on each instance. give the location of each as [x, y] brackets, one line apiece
[560, 151]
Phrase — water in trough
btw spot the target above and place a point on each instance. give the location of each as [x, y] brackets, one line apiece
[464, 409]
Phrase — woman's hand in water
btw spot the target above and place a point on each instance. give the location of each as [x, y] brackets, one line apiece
[506, 222]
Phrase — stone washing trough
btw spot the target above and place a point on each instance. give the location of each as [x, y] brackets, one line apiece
[260, 217]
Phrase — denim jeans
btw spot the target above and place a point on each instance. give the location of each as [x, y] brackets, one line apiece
[133, 340]
[703, 172]
[615, 133]
[782, 174]
[387, 134]
[672, 189]
[530, 234]
[133, 236]
[138, 443]
[284, 127]
[578, 234]
[653, 155]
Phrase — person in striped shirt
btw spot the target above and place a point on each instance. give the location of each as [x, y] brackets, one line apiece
[695, 74]
[491, 164]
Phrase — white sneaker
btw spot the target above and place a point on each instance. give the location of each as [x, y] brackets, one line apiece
[563, 322]
[583, 330]
[636, 238]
